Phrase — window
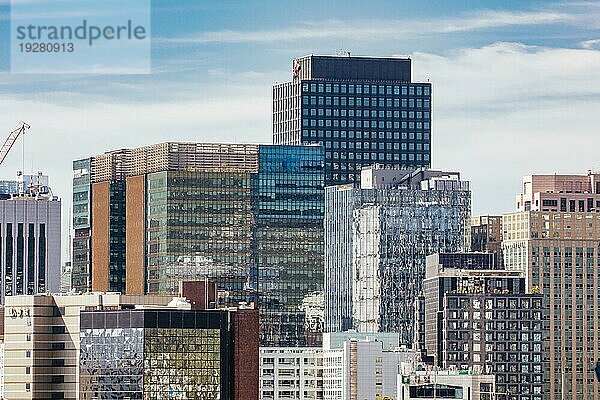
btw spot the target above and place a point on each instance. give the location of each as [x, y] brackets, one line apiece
[59, 362]
[58, 329]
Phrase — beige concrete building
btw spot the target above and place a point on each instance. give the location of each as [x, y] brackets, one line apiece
[562, 193]
[41, 339]
[559, 252]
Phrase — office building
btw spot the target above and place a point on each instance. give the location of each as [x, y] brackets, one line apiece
[345, 362]
[558, 252]
[313, 307]
[498, 334]
[335, 340]
[25, 184]
[376, 239]
[161, 353]
[42, 342]
[362, 110]
[445, 276]
[2, 353]
[448, 384]
[363, 368]
[288, 201]
[560, 193]
[70, 346]
[481, 319]
[65, 278]
[443, 273]
[81, 244]
[485, 235]
[248, 216]
[31, 242]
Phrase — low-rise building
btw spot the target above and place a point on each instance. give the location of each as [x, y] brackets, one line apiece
[160, 353]
[52, 342]
[362, 366]
[41, 354]
[445, 384]
[291, 373]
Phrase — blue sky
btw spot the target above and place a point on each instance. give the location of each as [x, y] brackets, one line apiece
[516, 83]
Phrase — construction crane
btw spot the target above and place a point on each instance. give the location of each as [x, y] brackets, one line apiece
[11, 139]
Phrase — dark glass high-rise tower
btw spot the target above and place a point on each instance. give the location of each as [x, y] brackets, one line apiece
[362, 110]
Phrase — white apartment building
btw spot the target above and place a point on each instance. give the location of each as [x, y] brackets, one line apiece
[360, 366]
[291, 373]
[349, 366]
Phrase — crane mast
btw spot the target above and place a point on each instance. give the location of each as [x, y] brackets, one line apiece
[11, 139]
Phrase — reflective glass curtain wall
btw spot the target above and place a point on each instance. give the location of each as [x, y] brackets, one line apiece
[199, 225]
[288, 240]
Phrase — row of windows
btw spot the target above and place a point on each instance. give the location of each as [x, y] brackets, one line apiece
[365, 135]
[380, 102]
[313, 123]
[374, 114]
[375, 157]
[375, 146]
[366, 89]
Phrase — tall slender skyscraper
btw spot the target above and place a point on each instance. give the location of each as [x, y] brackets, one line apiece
[362, 110]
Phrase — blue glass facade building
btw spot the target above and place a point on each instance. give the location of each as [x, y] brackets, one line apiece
[362, 110]
[288, 238]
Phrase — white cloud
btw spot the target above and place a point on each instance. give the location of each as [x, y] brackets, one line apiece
[507, 110]
[377, 29]
[590, 44]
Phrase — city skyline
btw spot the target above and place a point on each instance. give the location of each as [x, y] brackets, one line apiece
[502, 75]
[310, 200]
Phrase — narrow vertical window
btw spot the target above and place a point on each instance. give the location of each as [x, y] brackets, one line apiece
[1, 259]
[31, 260]
[42, 260]
[20, 259]
[9, 261]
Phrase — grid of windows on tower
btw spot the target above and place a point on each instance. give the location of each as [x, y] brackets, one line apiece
[357, 124]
